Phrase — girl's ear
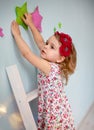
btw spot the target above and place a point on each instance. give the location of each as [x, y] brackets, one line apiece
[61, 59]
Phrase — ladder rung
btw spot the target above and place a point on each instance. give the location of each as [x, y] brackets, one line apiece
[32, 95]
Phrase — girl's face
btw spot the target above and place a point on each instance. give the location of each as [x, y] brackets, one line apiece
[50, 50]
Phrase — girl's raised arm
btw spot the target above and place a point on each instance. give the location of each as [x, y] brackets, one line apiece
[38, 62]
[36, 34]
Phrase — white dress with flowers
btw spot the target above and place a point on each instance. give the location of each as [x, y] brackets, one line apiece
[54, 112]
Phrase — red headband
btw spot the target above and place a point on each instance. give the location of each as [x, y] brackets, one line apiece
[66, 40]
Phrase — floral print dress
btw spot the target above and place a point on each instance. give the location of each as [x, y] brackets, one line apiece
[54, 112]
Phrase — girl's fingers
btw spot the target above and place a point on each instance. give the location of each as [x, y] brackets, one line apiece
[12, 24]
[24, 16]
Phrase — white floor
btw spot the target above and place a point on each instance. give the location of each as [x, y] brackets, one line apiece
[88, 122]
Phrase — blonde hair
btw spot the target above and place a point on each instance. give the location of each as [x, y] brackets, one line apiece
[69, 64]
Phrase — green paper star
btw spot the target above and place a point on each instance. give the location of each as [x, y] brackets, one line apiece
[59, 25]
[20, 11]
[54, 29]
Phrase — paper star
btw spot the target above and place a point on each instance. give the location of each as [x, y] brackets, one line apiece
[1, 33]
[37, 19]
[54, 29]
[20, 11]
[59, 25]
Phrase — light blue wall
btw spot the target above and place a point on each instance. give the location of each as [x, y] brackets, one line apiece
[77, 18]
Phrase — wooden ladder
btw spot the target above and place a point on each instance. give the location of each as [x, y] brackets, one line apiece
[21, 97]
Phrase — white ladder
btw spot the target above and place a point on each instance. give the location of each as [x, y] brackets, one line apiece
[22, 98]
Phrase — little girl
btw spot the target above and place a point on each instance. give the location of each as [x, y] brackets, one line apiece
[56, 62]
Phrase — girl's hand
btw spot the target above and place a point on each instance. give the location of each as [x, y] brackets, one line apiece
[27, 18]
[15, 28]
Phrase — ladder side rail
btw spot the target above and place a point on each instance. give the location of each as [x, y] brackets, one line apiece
[21, 97]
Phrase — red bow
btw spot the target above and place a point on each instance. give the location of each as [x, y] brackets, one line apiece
[66, 40]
